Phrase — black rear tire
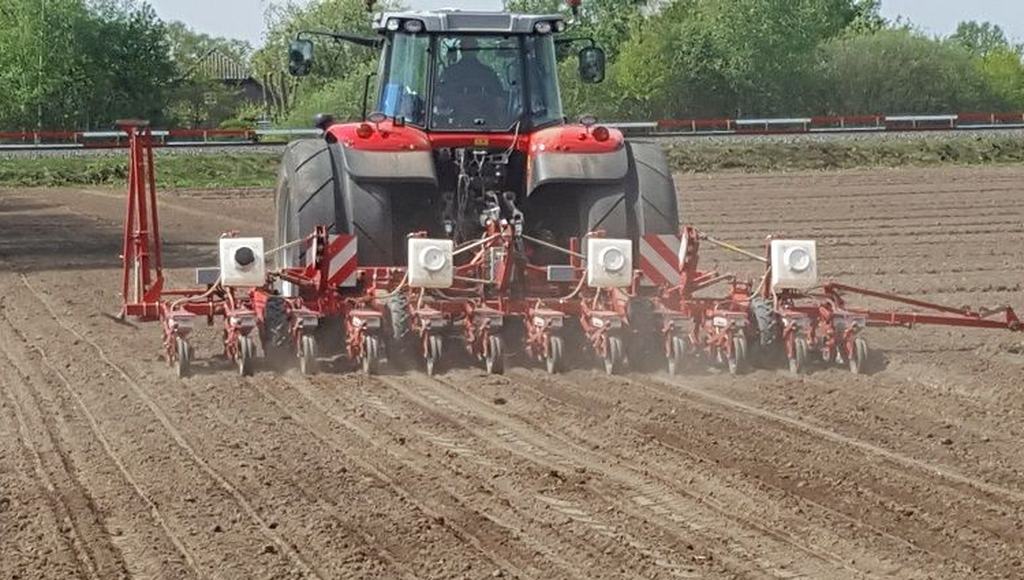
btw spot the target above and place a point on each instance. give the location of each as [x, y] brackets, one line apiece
[314, 189]
[651, 191]
[307, 196]
[643, 203]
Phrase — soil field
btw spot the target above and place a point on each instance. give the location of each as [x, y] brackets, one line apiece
[112, 468]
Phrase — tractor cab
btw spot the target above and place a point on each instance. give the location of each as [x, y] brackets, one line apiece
[462, 71]
[455, 71]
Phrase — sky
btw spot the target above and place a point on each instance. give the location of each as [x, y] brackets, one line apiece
[243, 19]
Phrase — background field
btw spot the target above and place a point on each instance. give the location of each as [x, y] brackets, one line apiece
[256, 167]
[109, 467]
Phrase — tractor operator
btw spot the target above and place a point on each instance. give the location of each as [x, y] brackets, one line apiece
[469, 93]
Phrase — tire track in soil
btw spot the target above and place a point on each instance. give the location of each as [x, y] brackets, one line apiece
[801, 479]
[909, 419]
[954, 482]
[652, 499]
[298, 468]
[81, 528]
[611, 518]
[663, 386]
[26, 514]
[450, 440]
[447, 506]
[729, 502]
[297, 465]
[599, 408]
[179, 439]
[96, 432]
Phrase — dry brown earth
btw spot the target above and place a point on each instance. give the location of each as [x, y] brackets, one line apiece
[110, 467]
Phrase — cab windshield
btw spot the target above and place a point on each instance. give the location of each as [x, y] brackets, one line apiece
[476, 81]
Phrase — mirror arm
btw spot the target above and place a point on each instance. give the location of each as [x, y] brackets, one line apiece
[366, 93]
[367, 41]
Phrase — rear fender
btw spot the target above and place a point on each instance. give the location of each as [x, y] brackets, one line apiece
[385, 153]
[570, 154]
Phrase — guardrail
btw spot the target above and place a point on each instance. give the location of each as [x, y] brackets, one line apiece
[57, 140]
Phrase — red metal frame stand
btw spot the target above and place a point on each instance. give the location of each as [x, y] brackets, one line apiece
[142, 260]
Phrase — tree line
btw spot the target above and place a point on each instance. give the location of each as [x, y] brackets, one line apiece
[73, 64]
[83, 64]
[705, 58]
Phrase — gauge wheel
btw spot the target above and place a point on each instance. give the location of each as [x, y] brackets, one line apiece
[738, 360]
[494, 359]
[308, 353]
[859, 358]
[798, 364]
[554, 358]
[435, 350]
[372, 350]
[246, 356]
[615, 356]
[677, 358]
[183, 358]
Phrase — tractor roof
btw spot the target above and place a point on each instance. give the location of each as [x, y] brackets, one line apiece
[453, 20]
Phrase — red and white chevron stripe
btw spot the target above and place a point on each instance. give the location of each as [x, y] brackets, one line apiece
[341, 255]
[659, 259]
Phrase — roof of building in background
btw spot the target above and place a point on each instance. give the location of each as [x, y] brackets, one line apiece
[218, 65]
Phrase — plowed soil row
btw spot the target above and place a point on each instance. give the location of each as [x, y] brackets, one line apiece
[110, 467]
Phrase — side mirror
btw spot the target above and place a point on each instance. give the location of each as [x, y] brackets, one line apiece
[323, 121]
[300, 57]
[592, 64]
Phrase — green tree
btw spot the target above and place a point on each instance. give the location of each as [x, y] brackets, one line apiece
[130, 58]
[77, 64]
[980, 39]
[729, 57]
[337, 80]
[900, 71]
[1003, 72]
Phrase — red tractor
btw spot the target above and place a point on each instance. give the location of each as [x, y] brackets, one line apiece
[467, 134]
